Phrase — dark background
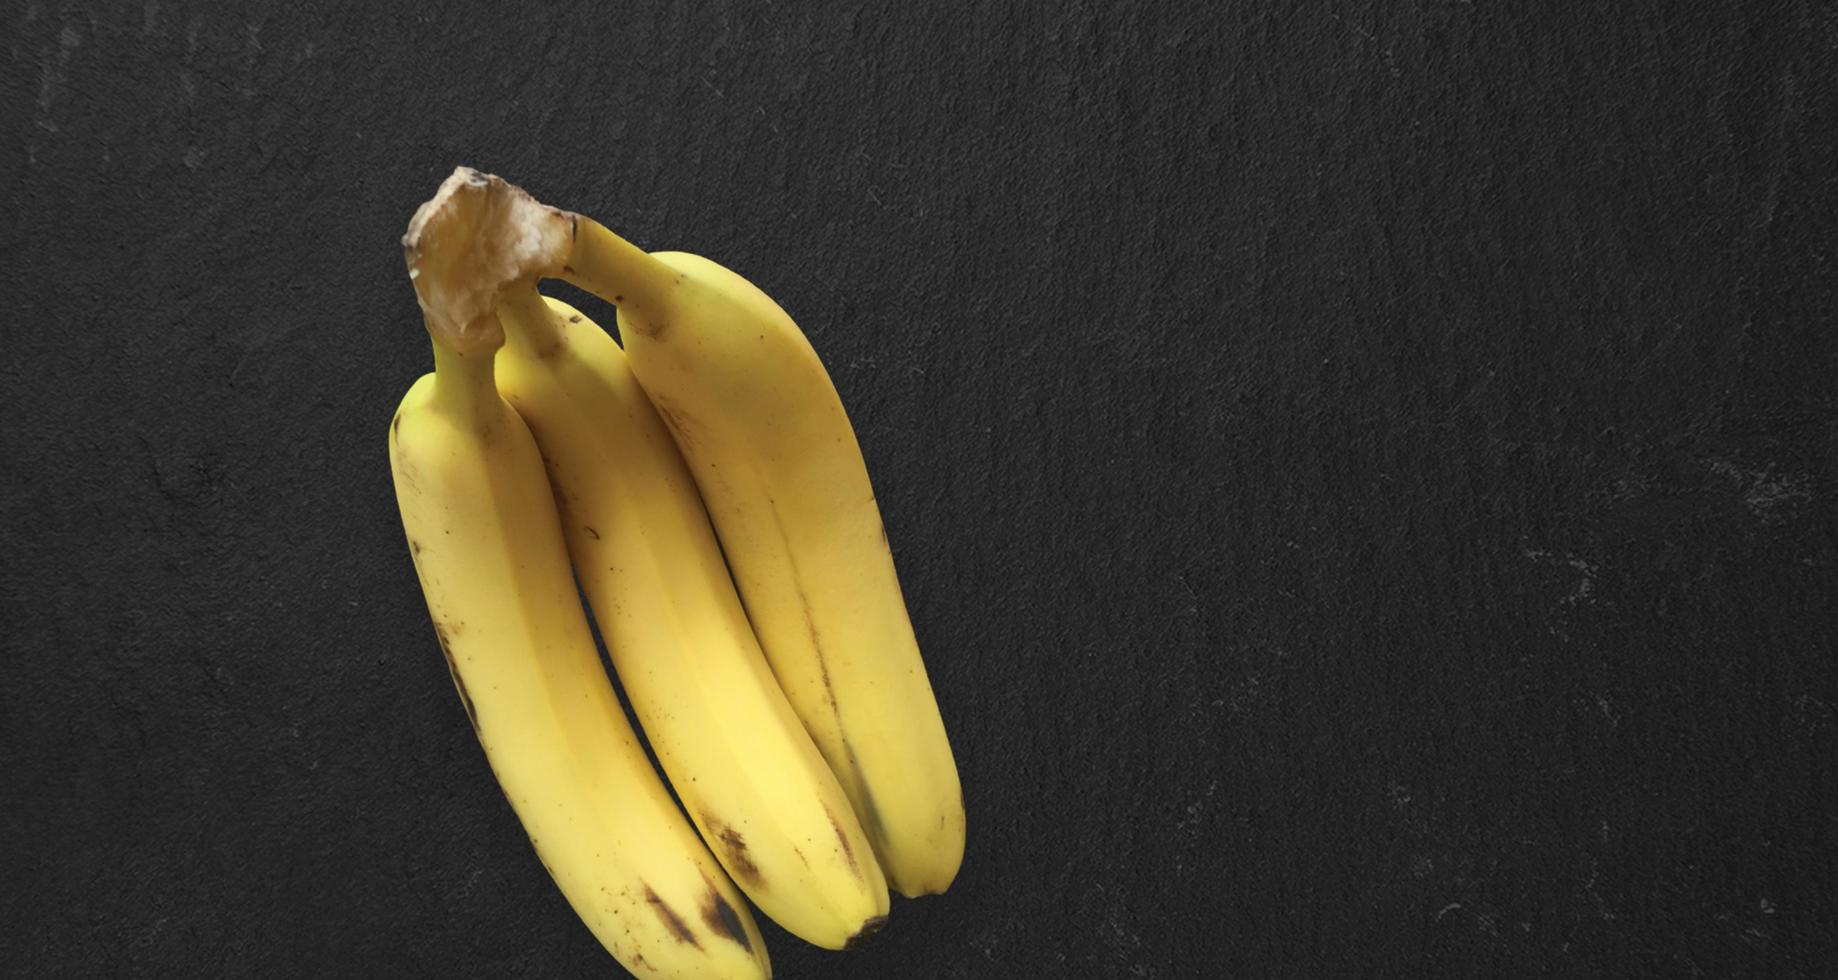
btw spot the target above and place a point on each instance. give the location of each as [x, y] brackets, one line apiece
[1363, 474]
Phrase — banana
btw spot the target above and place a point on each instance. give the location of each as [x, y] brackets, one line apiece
[487, 546]
[740, 761]
[777, 462]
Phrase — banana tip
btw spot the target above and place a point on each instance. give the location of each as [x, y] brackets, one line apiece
[868, 929]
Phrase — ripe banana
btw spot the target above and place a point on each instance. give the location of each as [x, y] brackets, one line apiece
[487, 545]
[647, 559]
[776, 459]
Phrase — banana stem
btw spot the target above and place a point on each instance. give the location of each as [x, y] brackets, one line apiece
[619, 272]
[529, 325]
[464, 384]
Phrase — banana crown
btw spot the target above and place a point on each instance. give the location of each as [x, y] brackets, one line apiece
[475, 236]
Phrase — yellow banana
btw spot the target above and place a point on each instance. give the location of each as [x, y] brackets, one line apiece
[647, 559]
[776, 459]
[487, 545]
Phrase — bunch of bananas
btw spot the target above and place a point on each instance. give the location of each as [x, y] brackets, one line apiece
[769, 656]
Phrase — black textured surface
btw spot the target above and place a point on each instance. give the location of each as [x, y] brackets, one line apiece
[1363, 475]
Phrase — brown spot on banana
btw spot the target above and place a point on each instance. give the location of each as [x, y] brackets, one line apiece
[591, 532]
[823, 663]
[867, 813]
[672, 922]
[406, 470]
[734, 848]
[723, 920]
[673, 422]
[414, 546]
[441, 630]
[555, 489]
[848, 849]
[575, 318]
[865, 810]
[810, 618]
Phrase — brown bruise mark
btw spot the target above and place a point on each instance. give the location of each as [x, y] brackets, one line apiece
[591, 532]
[810, 619]
[734, 848]
[414, 546]
[575, 318]
[444, 632]
[868, 815]
[619, 299]
[866, 811]
[823, 663]
[672, 921]
[568, 270]
[848, 849]
[868, 928]
[673, 422]
[655, 329]
[723, 921]
[555, 490]
[405, 469]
